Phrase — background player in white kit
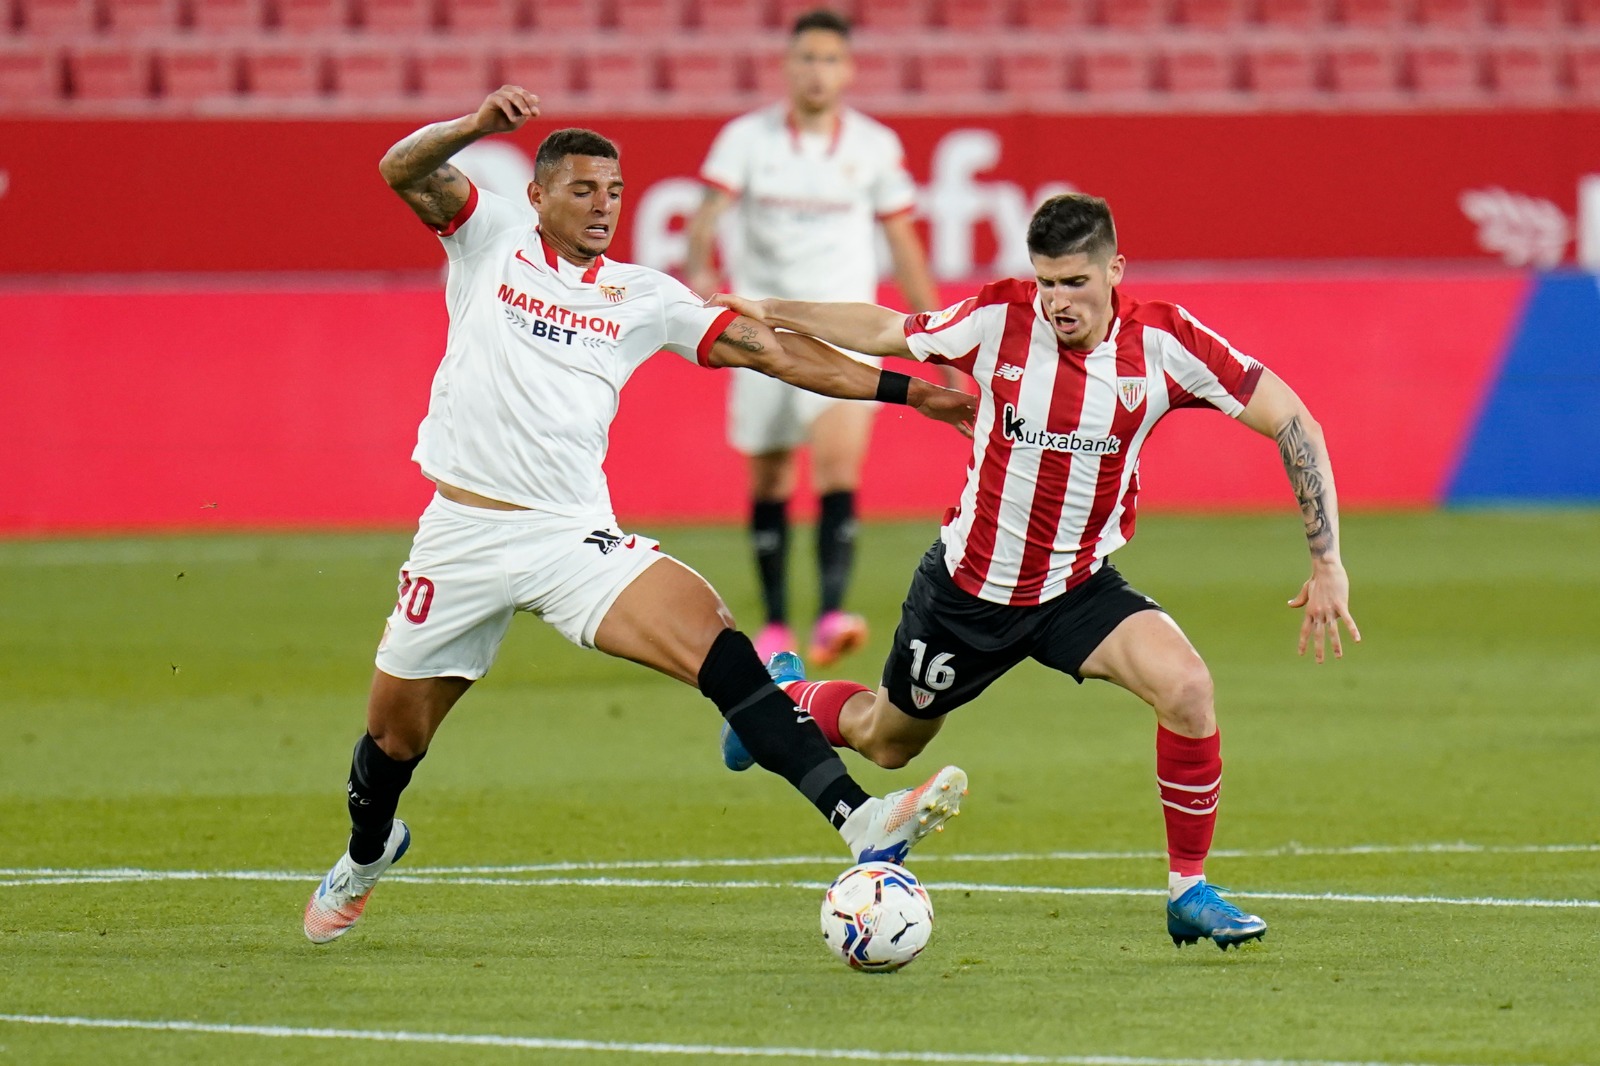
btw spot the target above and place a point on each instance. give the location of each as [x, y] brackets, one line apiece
[811, 180]
[1074, 376]
[544, 331]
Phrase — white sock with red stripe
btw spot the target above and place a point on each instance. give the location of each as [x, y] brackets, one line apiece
[824, 701]
[1189, 773]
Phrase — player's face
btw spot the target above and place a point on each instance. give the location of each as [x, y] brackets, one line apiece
[1075, 292]
[579, 203]
[819, 69]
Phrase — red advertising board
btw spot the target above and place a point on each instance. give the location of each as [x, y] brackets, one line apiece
[262, 195]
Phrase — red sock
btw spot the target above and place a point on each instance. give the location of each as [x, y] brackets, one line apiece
[824, 701]
[1189, 773]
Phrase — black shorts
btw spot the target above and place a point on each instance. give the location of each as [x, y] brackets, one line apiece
[950, 645]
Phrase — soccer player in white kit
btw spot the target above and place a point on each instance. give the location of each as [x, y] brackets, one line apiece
[810, 181]
[1073, 375]
[544, 331]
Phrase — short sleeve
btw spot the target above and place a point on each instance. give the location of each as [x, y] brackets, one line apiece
[692, 327]
[727, 164]
[950, 336]
[1203, 368]
[893, 192]
[483, 217]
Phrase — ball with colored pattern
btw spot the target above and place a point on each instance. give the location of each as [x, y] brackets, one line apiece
[876, 917]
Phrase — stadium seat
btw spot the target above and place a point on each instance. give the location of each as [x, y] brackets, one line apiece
[1452, 14]
[941, 72]
[1585, 60]
[1211, 14]
[1057, 16]
[484, 16]
[1530, 14]
[650, 18]
[879, 73]
[1112, 71]
[313, 16]
[227, 16]
[57, 18]
[1373, 14]
[766, 72]
[1034, 78]
[1364, 70]
[30, 74]
[109, 73]
[367, 73]
[1283, 73]
[1446, 73]
[1188, 71]
[196, 73]
[446, 73]
[1293, 14]
[614, 76]
[414, 18]
[283, 73]
[704, 72]
[966, 16]
[729, 16]
[567, 16]
[126, 18]
[895, 16]
[1586, 13]
[1524, 73]
[784, 12]
[1134, 15]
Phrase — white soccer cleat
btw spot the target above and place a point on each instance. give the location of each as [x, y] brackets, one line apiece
[341, 897]
[884, 830]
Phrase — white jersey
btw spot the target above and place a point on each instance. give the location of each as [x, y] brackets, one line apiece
[537, 354]
[808, 203]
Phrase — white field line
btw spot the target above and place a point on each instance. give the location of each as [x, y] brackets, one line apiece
[130, 877]
[543, 1043]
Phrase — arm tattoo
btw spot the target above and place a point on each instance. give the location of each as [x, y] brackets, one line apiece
[744, 335]
[1309, 488]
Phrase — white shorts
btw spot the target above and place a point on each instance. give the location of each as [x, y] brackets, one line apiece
[471, 569]
[768, 415]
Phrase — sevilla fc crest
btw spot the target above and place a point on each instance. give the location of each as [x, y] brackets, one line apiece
[921, 697]
[614, 293]
[1131, 392]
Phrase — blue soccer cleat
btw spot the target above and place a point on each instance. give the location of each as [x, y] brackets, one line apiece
[1202, 914]
[783, 667]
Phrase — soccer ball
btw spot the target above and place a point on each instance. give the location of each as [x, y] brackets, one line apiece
[876, 916]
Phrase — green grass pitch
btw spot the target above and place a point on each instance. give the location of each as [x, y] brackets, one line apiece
[188, 704]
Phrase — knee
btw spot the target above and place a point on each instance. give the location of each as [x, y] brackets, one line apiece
[1186, 698]
[892, 754]
[402, 742]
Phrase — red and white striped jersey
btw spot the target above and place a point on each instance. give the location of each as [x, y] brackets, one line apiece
[1054, 476]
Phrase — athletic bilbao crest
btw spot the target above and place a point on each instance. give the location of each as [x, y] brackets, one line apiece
[614, 293]
[921, 697]
[1131, 392]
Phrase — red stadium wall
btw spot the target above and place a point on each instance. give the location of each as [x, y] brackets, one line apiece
[121, 196]
[142, 409]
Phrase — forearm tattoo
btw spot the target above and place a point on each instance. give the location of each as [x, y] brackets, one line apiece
[436, 199]
[1309, 485]
[744, 335]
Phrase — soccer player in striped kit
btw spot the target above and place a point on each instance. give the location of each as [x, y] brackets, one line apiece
[1073, 375]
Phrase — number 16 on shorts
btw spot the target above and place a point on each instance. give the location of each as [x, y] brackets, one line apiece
[939, 675]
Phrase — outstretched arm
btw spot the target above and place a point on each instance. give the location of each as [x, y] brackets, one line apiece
[809, 364]
[418, 166]
[865, 328]
[1275, 411]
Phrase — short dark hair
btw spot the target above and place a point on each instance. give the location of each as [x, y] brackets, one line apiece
[562, 143]
[822, 19]
[1073, 223]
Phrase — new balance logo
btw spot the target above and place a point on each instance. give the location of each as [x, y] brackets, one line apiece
[1009, 371]
[1015, 429]
[606, 542]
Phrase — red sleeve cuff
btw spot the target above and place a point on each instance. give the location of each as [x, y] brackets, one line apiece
[465, 213]
[703, 353]
[719, 186]
[887, 215]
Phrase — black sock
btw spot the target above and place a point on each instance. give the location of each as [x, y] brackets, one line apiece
[769, 534]
[836, 546]
[373, 792]
[773, 730]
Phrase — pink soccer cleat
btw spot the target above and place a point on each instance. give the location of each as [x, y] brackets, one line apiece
[836, 635]
[773, 638]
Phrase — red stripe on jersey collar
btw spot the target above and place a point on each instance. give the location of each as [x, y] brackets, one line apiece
[794, 131]
[553, 261]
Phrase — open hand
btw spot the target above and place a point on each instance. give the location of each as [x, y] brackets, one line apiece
[951, 406]
[756, 309]
[1326, 599]
[508, 108]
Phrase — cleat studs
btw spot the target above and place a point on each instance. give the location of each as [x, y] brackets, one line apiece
[923, 820]
[938, 829]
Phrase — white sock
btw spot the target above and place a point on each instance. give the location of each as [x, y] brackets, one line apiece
[855, 826]
[1177, 884]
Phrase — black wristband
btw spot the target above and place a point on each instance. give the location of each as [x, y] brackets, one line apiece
[892, 387]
